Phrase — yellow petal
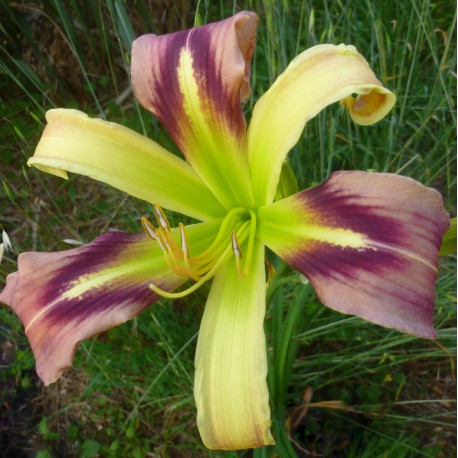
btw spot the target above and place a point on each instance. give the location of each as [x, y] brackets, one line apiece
[124, 159]
[231, 367]
[316, 78]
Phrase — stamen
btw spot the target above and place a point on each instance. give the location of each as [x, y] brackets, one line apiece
[184, 245]
[203, 266]
[170, 242]
[172, 266]
[238, 254]
[219, 251]
[196, 285]
[149, 228]
[161, 218]
[251, 239]
[235, 246]
[184, 256]
[161, 239]
[222, 233]
[173, 256]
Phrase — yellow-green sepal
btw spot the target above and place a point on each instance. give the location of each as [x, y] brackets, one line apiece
[120, 157]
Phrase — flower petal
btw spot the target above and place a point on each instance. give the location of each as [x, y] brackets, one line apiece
[316, 78]
[231, 366]
[124, 159]
[65, 297]
[193, 82]
[368, 242]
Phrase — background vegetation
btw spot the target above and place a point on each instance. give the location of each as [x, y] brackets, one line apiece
[340, 387]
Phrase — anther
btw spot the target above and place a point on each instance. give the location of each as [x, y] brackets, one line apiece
[184, 244]
[238, 254]
[235, 246]
[186, 255]
[161, 218]
[149, 228]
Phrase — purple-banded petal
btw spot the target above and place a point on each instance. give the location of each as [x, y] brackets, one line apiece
[231, 366]
[194, 81]
[318, 77]
[65, 297]
[124, 159]
[368, 243]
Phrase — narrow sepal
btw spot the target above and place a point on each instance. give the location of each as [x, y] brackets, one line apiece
[368, 242]
[122, 158]
[231, 367]
[193, 81]
[318, 77]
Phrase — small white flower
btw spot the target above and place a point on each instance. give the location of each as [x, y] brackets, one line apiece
[6, 242]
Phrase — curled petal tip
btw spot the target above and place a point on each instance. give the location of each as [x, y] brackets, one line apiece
[320, 76]
[367, 109]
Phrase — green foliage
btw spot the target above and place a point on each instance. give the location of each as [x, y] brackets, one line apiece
[449, 240]
[90, 448]
[287, 186]
[338, 385]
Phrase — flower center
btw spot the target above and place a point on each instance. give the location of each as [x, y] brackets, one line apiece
[237, 229]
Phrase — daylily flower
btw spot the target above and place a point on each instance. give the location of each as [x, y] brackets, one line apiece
[367, 242]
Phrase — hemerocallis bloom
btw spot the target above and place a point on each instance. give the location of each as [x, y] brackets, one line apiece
[367, 242]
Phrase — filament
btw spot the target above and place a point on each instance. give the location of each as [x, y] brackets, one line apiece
[236, 228]
[196, 285]
[251, 239]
